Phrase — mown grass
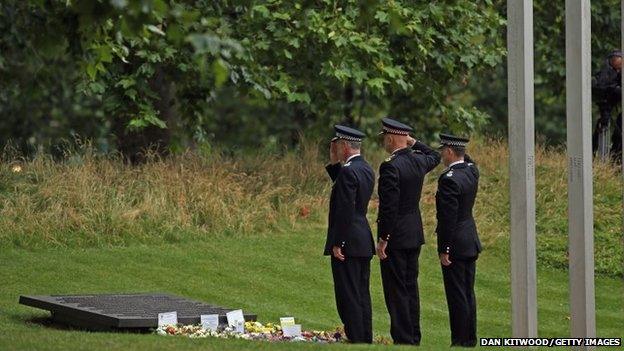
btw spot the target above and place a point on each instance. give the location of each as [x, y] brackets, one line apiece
[275, 276]
[99, 201]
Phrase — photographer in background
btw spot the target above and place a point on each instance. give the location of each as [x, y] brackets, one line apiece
[607, 91]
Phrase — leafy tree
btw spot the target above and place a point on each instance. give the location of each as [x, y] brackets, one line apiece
[166, 73]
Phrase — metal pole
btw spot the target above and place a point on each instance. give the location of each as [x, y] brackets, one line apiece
[522, 166]
[580, 192]
[622, 110]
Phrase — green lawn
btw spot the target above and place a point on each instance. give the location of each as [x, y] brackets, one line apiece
[271, 275]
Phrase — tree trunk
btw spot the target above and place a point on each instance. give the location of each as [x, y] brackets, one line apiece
[349, 93]
[137, 145]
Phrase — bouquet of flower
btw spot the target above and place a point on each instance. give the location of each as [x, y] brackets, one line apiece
[253, 331]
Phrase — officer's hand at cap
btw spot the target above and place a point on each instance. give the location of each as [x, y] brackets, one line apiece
[333, 153]
[410, 141]
[381, 249]
[337, 252]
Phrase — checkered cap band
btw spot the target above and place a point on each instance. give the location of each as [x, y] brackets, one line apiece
[394, 131]
[347, 137]
[454, 143]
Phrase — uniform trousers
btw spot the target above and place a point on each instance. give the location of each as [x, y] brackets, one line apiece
[399, 275]
[459, 278]
[353, 300]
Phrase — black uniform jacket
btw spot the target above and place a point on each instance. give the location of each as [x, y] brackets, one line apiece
[351, 192]
[606, 86]
[457, 191]
[401, 179]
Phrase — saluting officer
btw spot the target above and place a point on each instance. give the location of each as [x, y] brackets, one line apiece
[400, 231]
[349, 237]
[458, 242]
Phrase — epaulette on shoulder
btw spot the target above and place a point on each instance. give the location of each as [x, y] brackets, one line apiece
[446, 173]
[347, 164]
[390, 158]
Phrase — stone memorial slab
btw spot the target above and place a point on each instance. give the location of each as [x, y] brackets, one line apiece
[123, 311]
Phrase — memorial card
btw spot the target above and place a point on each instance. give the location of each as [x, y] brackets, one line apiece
[210, 321]
[292, 331]
[234, 317]
[167, 318]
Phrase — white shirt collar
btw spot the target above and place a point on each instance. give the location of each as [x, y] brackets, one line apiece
[455, 163]
[352, 156]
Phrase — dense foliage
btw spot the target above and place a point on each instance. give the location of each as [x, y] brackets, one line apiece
[182, 71]
[259, 73]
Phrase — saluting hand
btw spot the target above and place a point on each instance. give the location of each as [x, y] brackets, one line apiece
[444, 259]
[333, 153]
[337, 251]
[381, 249]
[410, 141]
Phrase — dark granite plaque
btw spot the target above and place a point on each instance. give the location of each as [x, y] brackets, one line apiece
[122, 311]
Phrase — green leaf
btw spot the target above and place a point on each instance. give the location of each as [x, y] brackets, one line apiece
[126, 83]
[158, 122]
[377, 84]
[298, 97]
[137, 123]
[160, 7]
[220, 71]
[294, 42]
[282, 16]
[91, 71]
[262, 10]
[381, 16]
[131, 93]
[97, 87]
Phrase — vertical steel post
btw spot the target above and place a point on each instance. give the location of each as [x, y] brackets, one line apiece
[580, 192]
[522, 166]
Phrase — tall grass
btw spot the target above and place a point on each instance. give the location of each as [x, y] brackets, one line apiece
[102, 201]
[97, 201]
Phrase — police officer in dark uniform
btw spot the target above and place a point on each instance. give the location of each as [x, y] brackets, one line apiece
[607, 91]
[349, 237]
[400, 230]
[458, 242]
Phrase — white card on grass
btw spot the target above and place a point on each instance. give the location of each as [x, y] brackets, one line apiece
[167, 318]
[210, 321]
[284, 321]
[292, 331]
[240, 327]
[233, 317]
